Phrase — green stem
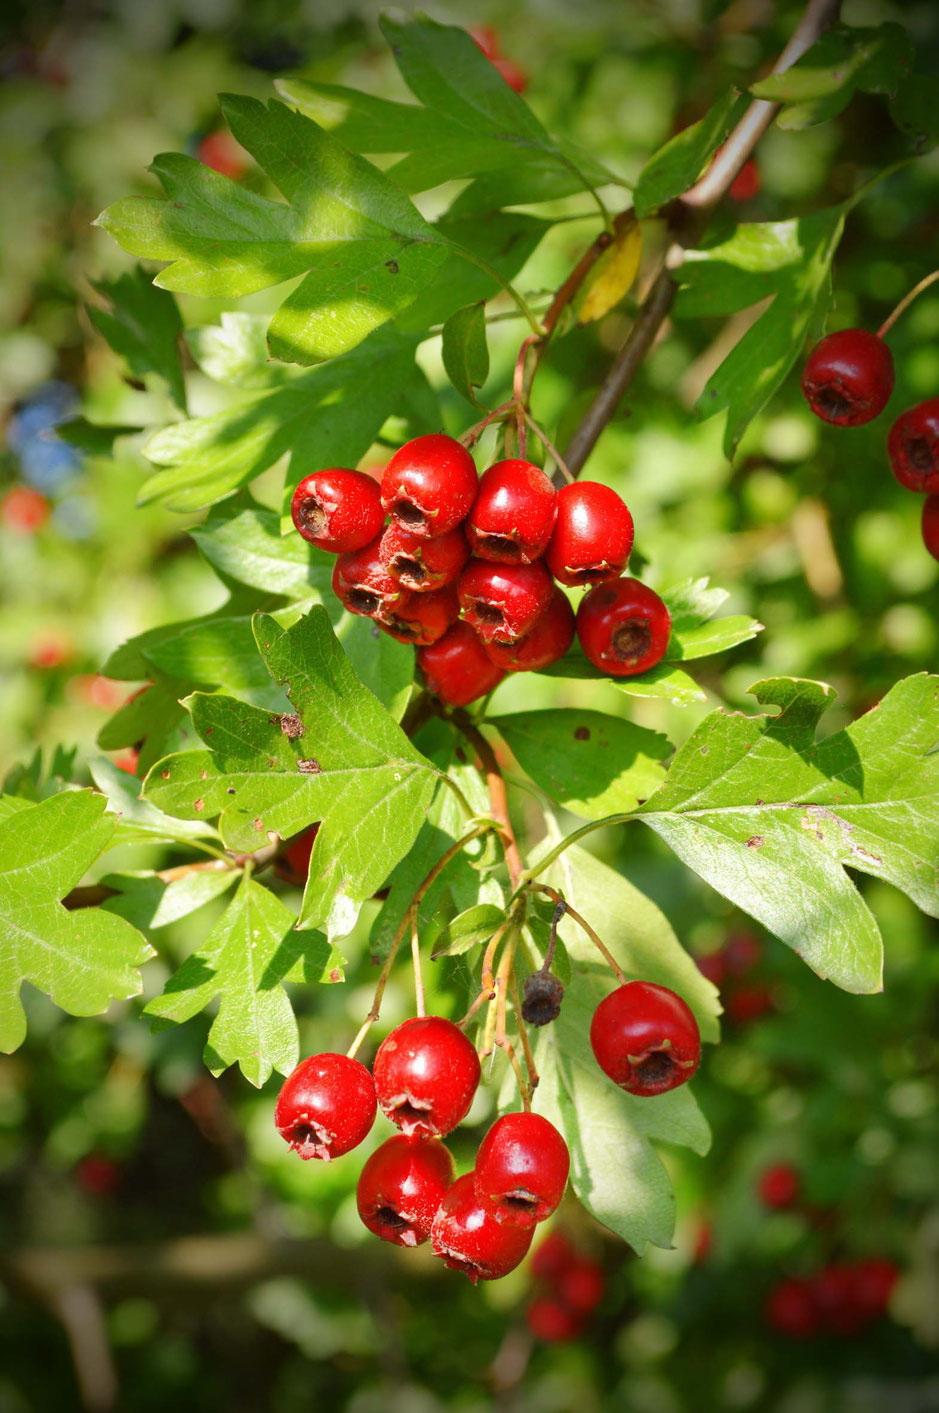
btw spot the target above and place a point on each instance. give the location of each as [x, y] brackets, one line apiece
[531, 874]
[503, 284]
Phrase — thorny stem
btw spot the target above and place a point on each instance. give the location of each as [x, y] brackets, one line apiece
[905, 303]
[582, 922]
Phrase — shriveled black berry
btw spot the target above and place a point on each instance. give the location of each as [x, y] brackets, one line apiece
[541, 998]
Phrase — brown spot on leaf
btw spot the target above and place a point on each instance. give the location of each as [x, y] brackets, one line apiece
[756, 842]
[392, 265]
[291, 723]
[258, 825]
[165, 774]
[199, 806]
[309, 767]
[335, 974]
[231, 790]
[582, 734]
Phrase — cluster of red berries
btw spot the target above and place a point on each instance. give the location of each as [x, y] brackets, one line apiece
[837, 1300]
[847, 381]
[485, 548]
[569, 1287]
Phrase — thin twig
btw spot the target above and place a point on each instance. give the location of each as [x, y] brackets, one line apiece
[905, 303]
[523, 1035]
[501, 1036]
[498, 799]
[416, 963]
[582, 922]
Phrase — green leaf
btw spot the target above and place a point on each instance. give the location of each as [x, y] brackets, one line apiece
[590, 763]
[91, 437]
[149, 903]
[328, 416]
[787, 261]
[692, 606]
[839, 64]
[246, 545]
[244, 961]
[140, 820]
[235, 351]
[771, 818]
[462, 933]
[144, 327]
[217, 652]
[381, 664]
[504, 241]
[465, 351]
[679, 164]
[664, 680]
[351, 768]
[83, 959]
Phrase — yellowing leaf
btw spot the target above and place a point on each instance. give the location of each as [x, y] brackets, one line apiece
[613, 275]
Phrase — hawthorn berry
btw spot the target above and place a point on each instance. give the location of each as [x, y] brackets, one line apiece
[623, 627]
[548, 641]
[913, 447]
[220, 151]
[297, 853]
[503, 602]
[593, 534]
[486, 38]
[421, 565]
[874, 1280]
[337, 509]
[551, 1321]
[426, 1073]
[457, 669]
[401, 1186]
[362, 583]
[748, 1002]
[514, 75]
[833, 1294]
[746, 184]
[467, 1236]
[780, 1186]
[522, 1168]
[513, 513]
[790, 1309]
[422, 619]
[848, 377]
[580, 1285]
[429, 485]
[553, 1256]
[645, 1038]
[326, 1106]
[24, 509]
[931, 525]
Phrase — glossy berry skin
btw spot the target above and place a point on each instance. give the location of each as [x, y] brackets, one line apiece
[913, 447]
[401, 1186]
[551, 1321]
[931, 525]
[337, 510]
[429, 485]
[790, 1309]
[503, 602]
[593, 535]
[468, 1238]
[645, 1038]
[623, 627]
[553, 1256]
[456, 668]
[848, 378]
[513, 514]
[422, 565]
[363, 585]
[426, 1073]
[779, 1187]
[580, 1285]
[326, 1106]
[522, 1168]
[422, 619]
[549, 640]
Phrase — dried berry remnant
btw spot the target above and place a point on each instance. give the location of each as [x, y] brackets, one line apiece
[541, 998]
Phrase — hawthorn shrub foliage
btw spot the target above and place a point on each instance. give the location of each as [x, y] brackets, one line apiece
[281, 711]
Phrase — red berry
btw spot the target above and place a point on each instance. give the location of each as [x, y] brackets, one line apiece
[513, 514]
[426, 1073]
[50, 650]
[645, 1038]
[593, 534]
[713, 966]
[580, 1285]
[747, 1003]
[128, 762]
[429, 485]
[551, 1321]
[833, 1291]
[421, 565]
[746, 184]
[223, 154]
[779, 1186]
[468, 1238]
[422, 619]
[298, 851]
[503, 602]
[742, 952]
[338, 510]
[401, 1187]
[485, 38]
[326, 1106]
[848, 377]
[514, 75]
[623, 627]
[24, 509]
[913, 447]
[549, 640]
[790, 1309]
[553, 1256]
[931, 525]
[362, 583]
[456, 667]
[522, 1168]
[98, 1175]
[873, 1281]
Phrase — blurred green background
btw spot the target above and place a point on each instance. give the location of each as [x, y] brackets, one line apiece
[160, 1244]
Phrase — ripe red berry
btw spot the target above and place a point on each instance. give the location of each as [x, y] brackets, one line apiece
[456, 667]
[468, 1238]
[220, 151]
[24, 509]
[931, 525]
[514, 75]
[426, 1073]
[422, 619]
[551, 1321]
[645, 1038]
[623, 627]
[326, 1106]
[580, 1285]
[742, 952]
[362, 583]
[429, 485]
[338, 510]
[485, 38]
[790, 1309]
[522, 1168]
[298, 851]
[401, 1187]
[746, 184]
[553, 1256]
[98, 1175]
[748, 1002]
[549, 640]
[513, 513]
[503, 602]
[873, 1281]
[128, 761]
[848, 377]
[422, 565]
[713, 966]
[913, 447]
[780, 1186]
[833, 1293]
[593, 534]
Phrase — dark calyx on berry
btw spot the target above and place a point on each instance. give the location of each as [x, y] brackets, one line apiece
[913, 447]
[631, 640]
[541, 998]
